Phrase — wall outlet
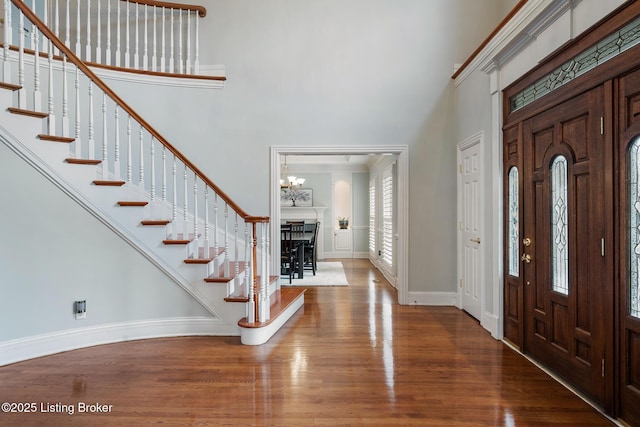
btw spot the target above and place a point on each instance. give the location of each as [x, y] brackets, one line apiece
[80, 309]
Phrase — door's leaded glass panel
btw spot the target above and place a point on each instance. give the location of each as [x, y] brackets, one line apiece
[610, 47]
[559, 230]
[514, 224]
[634, 228]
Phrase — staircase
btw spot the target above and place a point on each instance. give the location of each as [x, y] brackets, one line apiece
[107, 158]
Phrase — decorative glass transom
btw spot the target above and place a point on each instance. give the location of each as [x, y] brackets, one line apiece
[606, 49]
[559, 230]
[514, 224]
[634, 228]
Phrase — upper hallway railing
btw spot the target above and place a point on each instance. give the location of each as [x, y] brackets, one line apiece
[101, 126]
[142, 35]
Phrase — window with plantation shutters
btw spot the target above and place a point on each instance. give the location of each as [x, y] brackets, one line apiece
[372, 217]
[387, 216]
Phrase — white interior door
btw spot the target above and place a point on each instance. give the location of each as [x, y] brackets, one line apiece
[470, 242]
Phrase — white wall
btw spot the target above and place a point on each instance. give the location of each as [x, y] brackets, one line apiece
[332, 73]
[53, 252]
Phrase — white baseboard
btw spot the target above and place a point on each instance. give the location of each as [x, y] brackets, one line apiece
[42, 345]
[491, 323]
[432, 298]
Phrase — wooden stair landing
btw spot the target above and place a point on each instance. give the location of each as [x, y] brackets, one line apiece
[280, 301]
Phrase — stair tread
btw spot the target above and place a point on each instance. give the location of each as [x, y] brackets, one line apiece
[201, 259]
[179, 239]
[30, 113]
[55, 138]
[132, 203]
[108, 183]
[221, 278]
[10, 86]
[155, 222]
[83, 161]
[280, 300]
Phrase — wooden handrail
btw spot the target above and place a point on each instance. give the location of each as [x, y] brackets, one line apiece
[98, 82]
[486, 41]
[202, 11]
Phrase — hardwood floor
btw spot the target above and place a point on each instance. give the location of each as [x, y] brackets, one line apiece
[354, 357]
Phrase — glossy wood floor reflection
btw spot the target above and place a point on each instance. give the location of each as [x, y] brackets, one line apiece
[354, 357]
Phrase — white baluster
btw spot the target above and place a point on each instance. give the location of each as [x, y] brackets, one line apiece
[77, 142]
[116, 131]
[88, 46]
[57, 24]
[129, 158]
[247, 260]
[44, 45]
[8, 20]
[196, 65]
[206, 244]
[127, 50]
[194, 243]
[164, 182]
[264, 297]
[171, 38]
[105, 159]
[163, 47]
[98, 59]
[188, 61]
[52, 118]
[215, 225]
[174, 204]
[136, 55]
[152, 167]
[22, 92]
[145, 56]
[236, 253]
[92, 142]
[180, 64]
[67, 21]
[227, 271]
[65, 98]
[154, 56]
[141, 162]
[118, 40]
[6, 67]
[251, 303]
[185, 221]
[32, 36]
[107, 52]
[37, 96]
[78, 50]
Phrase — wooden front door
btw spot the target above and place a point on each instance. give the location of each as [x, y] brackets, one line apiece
[568, 303]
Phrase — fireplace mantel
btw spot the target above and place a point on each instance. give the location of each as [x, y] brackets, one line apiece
[307, 213]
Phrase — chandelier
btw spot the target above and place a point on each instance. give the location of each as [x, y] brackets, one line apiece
[291, 188]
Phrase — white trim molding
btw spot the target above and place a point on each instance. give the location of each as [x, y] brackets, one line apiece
[56, 342]
[433, 298]
[402, 177]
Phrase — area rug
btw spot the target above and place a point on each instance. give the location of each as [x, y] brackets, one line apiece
[327, 274]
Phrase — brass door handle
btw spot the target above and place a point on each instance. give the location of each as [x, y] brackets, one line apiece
[475, 240]
[526, 258]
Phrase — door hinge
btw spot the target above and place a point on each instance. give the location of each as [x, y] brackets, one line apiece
[461, 283]
[602, 246]
[601, 125]
[460, 167]
[602, 368]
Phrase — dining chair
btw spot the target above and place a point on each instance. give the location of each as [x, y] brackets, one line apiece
[288, 252]
[310, 249]
[296, 226]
